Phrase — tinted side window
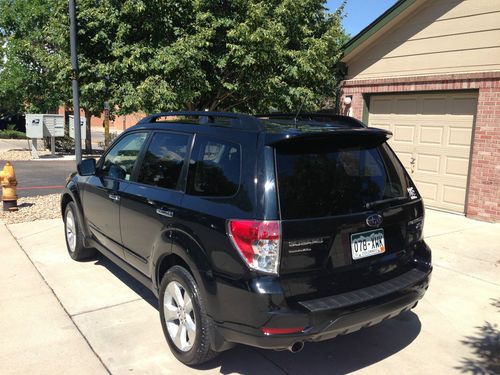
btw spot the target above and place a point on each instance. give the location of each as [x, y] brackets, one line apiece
[120, 160]
[214, 169]
[163, 160]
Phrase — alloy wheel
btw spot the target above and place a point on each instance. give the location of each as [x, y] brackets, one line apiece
[71, 230]
[179, 316]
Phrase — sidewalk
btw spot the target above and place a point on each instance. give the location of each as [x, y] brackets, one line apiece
[13, 144]
[37, 335]
[61, 316]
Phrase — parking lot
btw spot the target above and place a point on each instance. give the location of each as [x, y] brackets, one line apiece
[60, 316]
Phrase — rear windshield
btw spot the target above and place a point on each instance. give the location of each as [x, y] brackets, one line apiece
[320, 180]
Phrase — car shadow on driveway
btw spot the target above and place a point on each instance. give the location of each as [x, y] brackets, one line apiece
[341, 355]
[143, 292]
[344, 354]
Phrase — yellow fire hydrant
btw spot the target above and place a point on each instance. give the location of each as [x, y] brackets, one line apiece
[9, 192]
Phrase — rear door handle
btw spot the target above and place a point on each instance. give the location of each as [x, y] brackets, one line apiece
[114, 197]
[164, 212]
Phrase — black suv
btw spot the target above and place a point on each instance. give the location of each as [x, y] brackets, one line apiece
[269, 230]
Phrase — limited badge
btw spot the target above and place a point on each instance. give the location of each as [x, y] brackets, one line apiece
[412, 192]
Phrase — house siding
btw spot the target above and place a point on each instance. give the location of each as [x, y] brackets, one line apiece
[437, 37]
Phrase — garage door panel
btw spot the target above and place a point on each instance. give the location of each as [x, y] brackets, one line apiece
[431, 135]
[438, 150]
[453, 195]
[434, 129]
[435, 106]
[406, 106]
[381, 106]
[458, 166]
[450, 180]
[459, 136]
[404, 133]
[428, 190]
[428, 163]
[464, 107]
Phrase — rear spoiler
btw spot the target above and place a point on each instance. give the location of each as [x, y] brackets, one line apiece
[342, 137]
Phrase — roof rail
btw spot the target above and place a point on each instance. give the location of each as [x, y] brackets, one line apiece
[320, 116]
[237, 120]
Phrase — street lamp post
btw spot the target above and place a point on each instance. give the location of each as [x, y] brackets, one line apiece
[75, 85]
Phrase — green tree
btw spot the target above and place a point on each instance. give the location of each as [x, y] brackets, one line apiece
[37, 56]
[240, 55]
[227, 55]
[26, 82]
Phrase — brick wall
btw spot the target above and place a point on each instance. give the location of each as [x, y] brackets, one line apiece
[483, 197]
[117, 124]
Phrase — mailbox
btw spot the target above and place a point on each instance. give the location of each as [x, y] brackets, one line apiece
[39, 126]
[83, 127]
[44, 125]
[34, 126]
[53, 125]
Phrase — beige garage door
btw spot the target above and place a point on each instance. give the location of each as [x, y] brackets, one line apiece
[432, 136]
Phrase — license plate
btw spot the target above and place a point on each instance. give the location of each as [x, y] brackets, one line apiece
[367, 244]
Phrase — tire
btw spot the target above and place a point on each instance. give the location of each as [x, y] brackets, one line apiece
[74, 235]
[190, 345]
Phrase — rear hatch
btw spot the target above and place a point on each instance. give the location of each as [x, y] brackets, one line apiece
[348, 212]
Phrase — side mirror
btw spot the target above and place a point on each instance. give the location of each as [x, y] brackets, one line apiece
[86, 167]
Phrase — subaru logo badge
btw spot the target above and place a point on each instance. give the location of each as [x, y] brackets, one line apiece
[374, 220]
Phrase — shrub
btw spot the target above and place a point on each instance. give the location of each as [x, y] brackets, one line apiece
[64, 144]
[12, 134]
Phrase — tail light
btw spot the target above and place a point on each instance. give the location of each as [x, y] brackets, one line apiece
[258, 242]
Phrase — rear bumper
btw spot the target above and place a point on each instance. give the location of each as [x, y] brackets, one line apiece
[329, 317]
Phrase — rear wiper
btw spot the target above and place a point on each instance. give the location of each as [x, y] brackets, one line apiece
[382, 201]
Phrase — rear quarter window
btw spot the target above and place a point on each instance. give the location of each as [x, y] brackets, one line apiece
[214, 168]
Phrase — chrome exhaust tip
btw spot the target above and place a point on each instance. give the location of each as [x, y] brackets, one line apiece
[296, 347]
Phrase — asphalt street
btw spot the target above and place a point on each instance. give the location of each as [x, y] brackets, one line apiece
[41, 177]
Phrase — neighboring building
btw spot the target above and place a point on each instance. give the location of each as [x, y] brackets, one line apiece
[119, 123]
[429, 71]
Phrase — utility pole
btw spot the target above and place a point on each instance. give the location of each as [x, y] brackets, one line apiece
[75, 85]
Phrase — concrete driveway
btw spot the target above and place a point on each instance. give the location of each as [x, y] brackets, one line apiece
[60, 316]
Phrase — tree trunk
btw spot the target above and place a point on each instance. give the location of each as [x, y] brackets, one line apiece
[88, 137]
[66, 124]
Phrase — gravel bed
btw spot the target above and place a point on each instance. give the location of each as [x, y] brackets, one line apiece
[13, 155]
[33, 208]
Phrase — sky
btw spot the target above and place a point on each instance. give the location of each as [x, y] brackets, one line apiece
[360, 13]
